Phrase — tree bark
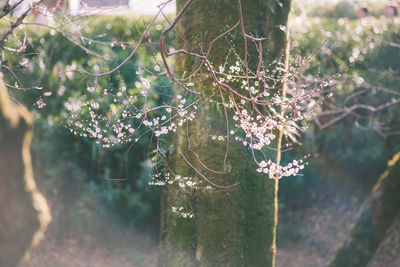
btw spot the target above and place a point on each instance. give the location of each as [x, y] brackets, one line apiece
[388, 252]
[377, 214]
[24, 213]
[234, 226]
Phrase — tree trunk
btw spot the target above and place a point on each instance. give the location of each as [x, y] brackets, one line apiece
[234, 226]
[388, 252]
[378, 213]
[24, 213]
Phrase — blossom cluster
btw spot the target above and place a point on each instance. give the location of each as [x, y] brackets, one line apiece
[277, 171]
[128, 117]
[121, 115]
[179, 211]
[182, 182]
[259, 130]
[258, 119]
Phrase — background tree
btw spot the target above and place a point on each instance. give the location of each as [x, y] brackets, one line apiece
[24, 213]
[379, 212]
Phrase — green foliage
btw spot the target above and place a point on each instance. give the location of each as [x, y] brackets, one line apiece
[365, 54]
[351, 153]
[78, 170]
[337, 9]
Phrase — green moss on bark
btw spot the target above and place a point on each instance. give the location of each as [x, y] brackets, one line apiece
[231, 227]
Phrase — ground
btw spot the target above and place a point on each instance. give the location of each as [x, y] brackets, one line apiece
[307, 236]
[134, 251]
[318, 231]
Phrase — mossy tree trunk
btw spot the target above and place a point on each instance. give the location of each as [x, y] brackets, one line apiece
[377, 215]
[234, 226]
[24, 213]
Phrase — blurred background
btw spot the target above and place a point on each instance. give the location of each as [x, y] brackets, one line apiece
[104, 211]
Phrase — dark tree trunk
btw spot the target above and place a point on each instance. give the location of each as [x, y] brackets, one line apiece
[24, 213]
[388, 252]
[231, 227]
[378, 213]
